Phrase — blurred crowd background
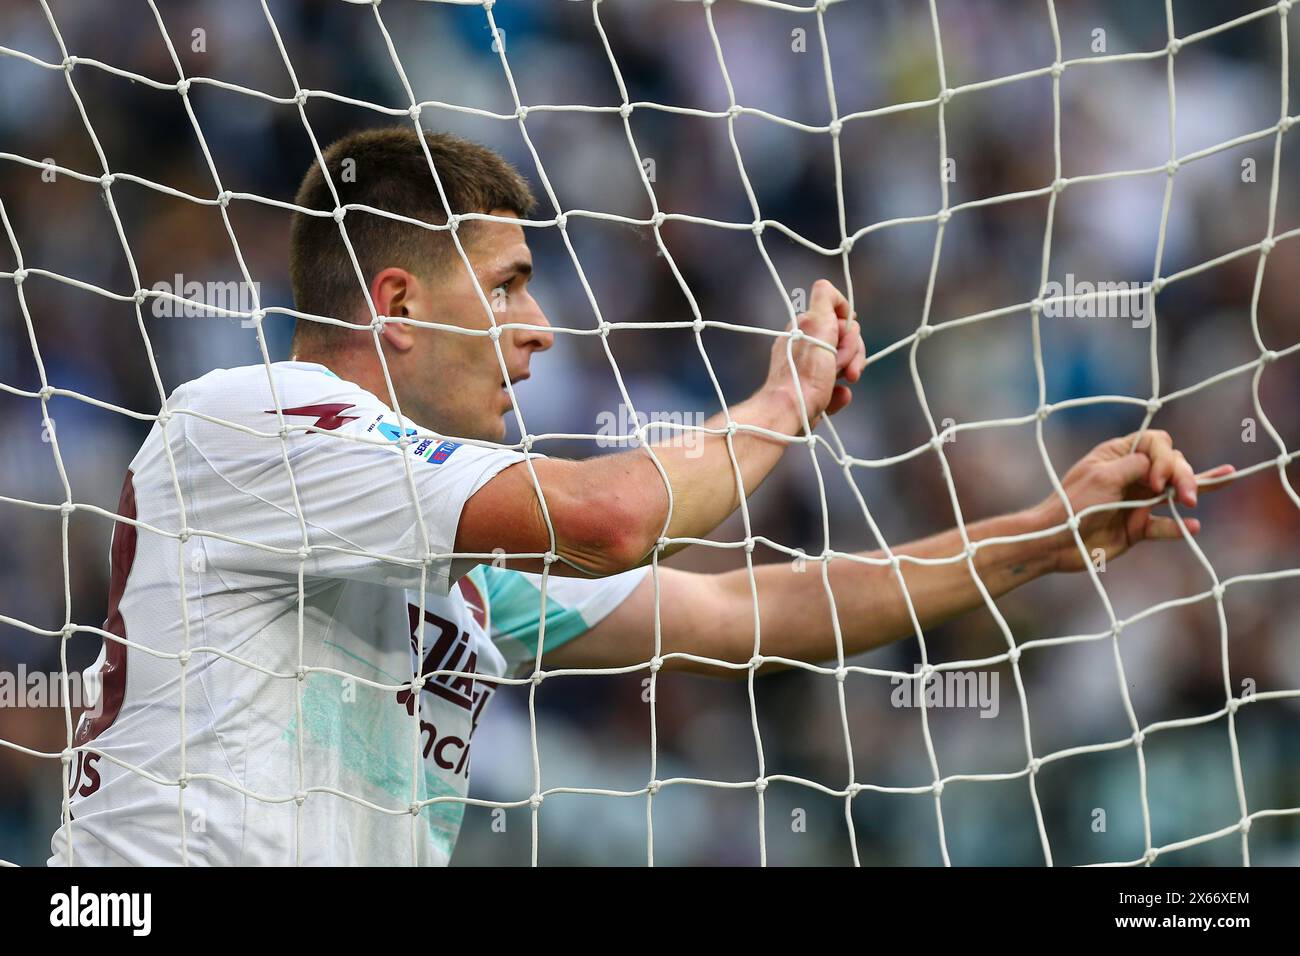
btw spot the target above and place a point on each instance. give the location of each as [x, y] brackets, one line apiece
[595, 731]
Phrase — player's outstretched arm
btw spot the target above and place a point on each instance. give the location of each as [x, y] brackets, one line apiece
[713, 615]
[608, 512]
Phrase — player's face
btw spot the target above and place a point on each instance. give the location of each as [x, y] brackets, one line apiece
[465, 385]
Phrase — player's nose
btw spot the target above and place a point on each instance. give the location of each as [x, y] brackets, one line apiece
[538, 338]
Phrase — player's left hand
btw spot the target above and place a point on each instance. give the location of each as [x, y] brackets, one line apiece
[1111, 473]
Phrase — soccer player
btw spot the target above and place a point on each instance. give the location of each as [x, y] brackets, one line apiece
[307, 540]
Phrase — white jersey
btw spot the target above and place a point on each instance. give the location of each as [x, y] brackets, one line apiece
[298, 743]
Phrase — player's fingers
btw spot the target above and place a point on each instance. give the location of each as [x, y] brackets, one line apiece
[1222, 471]
[1183, 479]
[1129, 469]
[841, 396]
[826, 296]
[850, 359]
[1159, 447]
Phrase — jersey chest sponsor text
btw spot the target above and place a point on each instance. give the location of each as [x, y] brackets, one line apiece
[449, 665]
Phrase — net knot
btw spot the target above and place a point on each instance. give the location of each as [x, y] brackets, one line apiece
[836, 127]
[938, 788]
[69, 62]
[1013, 655]
[1283, 7]
[494, 333]
[1268, 356]
[1059, 184]
[653, 787]
[1042, 412]
[945, 97]
[841, 673]
[521, 113]
[339, 213]
[1217, 591]
[924, 332]
[1171, 167]
[224, 197]
[107, 180]
[943, 216]
[1266, 246]
[734, 110]
[1174, 46]
[1286, 123]
[604, 328]
[19, 276]
[414, 111]
[1139, 738]
[1157, 285]
[757, 227]
[657, 219]
[301, 97]
[536, 799]
[1154, 405]
[66, 508]
[183, 87]
[698, 325]
[656, 663]
[1035, 764]
[562, 221]
[1057, 69]
[625, 110]
[184, 656]
[760, 784]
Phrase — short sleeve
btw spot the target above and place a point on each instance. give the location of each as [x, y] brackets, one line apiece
[573, 607]
[365, 517]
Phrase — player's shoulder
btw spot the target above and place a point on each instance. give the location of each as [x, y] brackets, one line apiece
[254, 391]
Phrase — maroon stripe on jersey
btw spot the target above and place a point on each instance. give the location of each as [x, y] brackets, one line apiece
[328, 417]
[474, 598]
[113, 675]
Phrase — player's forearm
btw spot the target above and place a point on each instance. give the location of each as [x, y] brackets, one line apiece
[699, 465]
[608, 512]
[796, 614]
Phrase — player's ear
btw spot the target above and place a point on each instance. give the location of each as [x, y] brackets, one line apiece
[395, 292]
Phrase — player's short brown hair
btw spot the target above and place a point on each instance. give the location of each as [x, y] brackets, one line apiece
[387, 169]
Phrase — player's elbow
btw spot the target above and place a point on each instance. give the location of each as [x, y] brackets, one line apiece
[605, 528]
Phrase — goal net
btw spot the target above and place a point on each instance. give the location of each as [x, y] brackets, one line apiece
[1057, 223]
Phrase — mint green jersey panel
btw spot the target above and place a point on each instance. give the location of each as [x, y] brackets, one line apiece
[573, 607]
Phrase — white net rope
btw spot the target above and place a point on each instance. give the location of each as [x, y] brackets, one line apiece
[825, 440]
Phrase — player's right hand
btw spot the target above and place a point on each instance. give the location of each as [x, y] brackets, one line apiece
[817, 372]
